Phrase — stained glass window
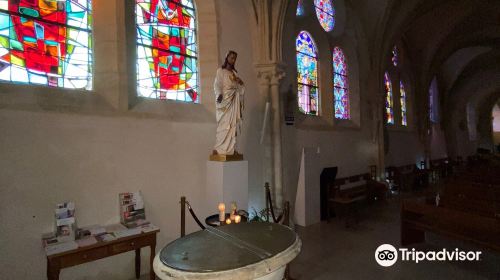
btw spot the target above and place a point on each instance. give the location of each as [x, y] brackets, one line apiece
[340, 85]
[389, 111]
[307, 74]
[395, 56]
[46, 42]
[300, 8]
[167, 52]
[434, 101]
[325, 13]
[403, 103]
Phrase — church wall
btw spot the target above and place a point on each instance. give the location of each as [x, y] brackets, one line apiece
[464, 134]
[404, 148]
[60, 145]
[52, 157]
[438, 143]
[349, 145]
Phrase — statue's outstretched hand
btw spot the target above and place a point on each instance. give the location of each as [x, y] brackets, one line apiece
[219, 98]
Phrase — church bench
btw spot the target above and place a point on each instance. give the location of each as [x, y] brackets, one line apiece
[475, 198]
[407, 177]
[471, 205]
[346, 194]
[418, 217]
[473, 190]
[442, 167]
[479, 178]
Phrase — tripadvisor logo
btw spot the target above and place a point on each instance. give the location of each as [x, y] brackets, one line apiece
[387, 255]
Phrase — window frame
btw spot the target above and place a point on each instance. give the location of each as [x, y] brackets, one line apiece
[317, 69]
[346, 82]
[197, 58]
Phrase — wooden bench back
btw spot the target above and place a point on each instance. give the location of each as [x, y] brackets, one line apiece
[366, 188]
[451, 219]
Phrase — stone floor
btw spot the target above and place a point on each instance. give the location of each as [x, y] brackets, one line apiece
[332, 251]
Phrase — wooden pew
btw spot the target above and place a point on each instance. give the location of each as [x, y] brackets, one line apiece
[442, 167]
[417, 217]
[480, 199]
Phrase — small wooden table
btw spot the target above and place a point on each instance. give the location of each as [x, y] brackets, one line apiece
[101, 250]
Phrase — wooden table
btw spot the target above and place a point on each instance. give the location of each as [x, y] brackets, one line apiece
[101, 250]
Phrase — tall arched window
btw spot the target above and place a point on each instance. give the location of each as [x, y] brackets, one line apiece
[389, 107]
[167, 51]
[340, 84]
[433, 101]
[300, 8]
[307, 73]
[325, 13]
[46, 43]
[402, 99]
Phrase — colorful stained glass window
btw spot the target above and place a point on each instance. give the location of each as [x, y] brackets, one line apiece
[300, 8]
[167, 52]
[307, 74]
[394, 57]
[325, 13]
[403, 103]
[340, 85]
[46, 42]
[389, 107]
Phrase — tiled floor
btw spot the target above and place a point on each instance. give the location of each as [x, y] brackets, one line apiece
[332, 251]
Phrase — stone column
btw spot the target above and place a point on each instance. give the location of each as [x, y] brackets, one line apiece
[267, 19]
[270, 76]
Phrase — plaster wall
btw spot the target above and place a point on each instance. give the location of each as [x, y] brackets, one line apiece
[438, 142]
[404, 148]
[52, 157]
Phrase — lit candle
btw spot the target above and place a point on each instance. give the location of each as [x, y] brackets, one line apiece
[222, 213]
[237, 218]
[228, 221]
[233, 210]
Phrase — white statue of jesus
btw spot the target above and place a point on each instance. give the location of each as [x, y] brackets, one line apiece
[229, 92]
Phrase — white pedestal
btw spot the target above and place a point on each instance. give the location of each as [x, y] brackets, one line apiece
[226, 182]
[307, 200]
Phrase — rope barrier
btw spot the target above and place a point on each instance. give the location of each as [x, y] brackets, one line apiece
[270, 201]
[191, 211]
[194, 215]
